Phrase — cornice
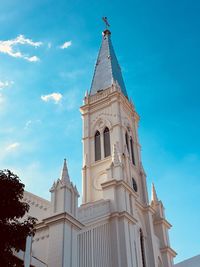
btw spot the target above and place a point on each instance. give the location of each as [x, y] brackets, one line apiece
[117, 183]
[99, 100]
[61, 217]
[143, 207]
[163, 221]
[124, 214]
[168, 250]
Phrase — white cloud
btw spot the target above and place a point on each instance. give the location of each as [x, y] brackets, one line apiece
[32, 59]
[12, 146]
[5, 84]
[66, 45]
[7, 47]
[56, 97]
[49, 45]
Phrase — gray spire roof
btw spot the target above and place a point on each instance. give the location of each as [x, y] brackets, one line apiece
[107, 70]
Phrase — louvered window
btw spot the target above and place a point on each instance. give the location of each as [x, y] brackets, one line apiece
[126, 137]
[142, 249]
[132, 151]
[134, 184]
[106, 136]
[97, 144]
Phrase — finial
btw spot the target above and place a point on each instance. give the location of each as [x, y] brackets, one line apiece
[85, 161]
[154, 197]
[106, 31]
[64, 173]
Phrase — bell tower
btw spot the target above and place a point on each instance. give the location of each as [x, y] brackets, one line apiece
[111, 147]
[112, 170]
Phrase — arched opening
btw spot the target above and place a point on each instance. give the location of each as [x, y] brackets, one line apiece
[142, 248]
[97, 145]
[134, 184]
[126, 138]
[106, 138]
[132, 151]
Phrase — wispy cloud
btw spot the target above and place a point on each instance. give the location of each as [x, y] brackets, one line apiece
[30, 123]
[1, 98]
[9, 47]
[49, 45]
[66, 45]
[55, 97]
[12, 146]
[4, 84]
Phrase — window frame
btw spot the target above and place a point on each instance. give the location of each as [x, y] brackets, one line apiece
[97, 146]
[106, 142]
[132, 150]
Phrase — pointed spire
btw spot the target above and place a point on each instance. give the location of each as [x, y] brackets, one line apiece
[85, 160]
[86, 93]
[107, 69]
[154, 197]
[64, 174]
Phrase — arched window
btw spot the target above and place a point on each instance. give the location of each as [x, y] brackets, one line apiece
[126, 137]
[106, 139]
[97, 146]
[142, 248]
[134, 184]
[132, 151]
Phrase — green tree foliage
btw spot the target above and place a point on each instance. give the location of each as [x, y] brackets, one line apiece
[13, 229]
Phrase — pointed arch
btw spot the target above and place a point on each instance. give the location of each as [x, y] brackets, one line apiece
[106, 140]
[132, 151]
[127, 142]
[142, 248]
[97, 146]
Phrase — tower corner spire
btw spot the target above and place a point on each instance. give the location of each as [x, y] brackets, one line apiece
[154, 197]
[64, 173]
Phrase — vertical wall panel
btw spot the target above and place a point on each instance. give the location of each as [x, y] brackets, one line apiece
[94, 247]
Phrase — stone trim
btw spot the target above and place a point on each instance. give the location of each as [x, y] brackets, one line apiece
[168, 250]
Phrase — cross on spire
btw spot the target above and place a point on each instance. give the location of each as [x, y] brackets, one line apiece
[105, 19]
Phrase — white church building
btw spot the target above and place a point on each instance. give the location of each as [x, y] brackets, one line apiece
[116, 225]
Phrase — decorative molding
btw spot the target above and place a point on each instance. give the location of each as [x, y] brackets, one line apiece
[124, 214]
[100, 123]
[36, 201]
[94, 210]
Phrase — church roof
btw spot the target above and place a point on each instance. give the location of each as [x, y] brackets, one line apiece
[107, 69]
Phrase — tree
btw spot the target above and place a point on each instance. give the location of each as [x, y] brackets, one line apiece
[13, 229]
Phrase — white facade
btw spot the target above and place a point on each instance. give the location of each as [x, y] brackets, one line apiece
[115, 226]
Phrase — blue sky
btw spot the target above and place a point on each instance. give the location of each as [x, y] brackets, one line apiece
[42, 85]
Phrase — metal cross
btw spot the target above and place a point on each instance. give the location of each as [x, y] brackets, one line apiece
[105, 19]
